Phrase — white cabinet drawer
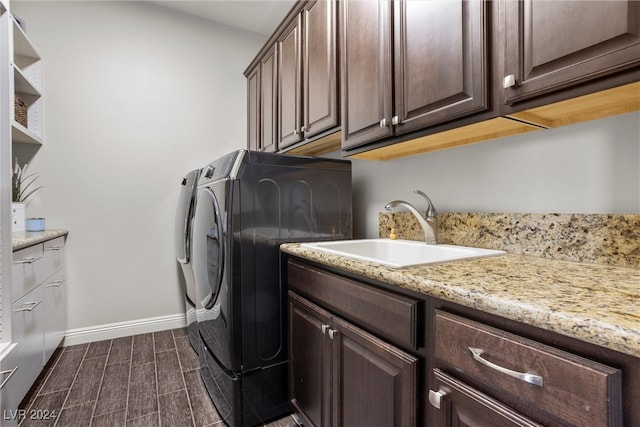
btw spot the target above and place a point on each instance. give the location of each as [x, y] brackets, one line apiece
[53, 259]
[28, 330]
[26, 270]
[55, 312]
[9, 372]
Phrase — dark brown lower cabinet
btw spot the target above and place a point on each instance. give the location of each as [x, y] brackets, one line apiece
[527, 379]
[341, 375]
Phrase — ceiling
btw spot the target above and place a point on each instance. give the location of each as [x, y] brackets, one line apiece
[258, 16]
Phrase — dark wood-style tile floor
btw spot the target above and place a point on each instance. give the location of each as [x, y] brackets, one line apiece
[143, 380]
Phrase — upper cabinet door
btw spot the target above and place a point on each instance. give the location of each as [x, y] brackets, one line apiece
[320, 65]
[366, 71]
[290, 84]
[268, 101]
[253, 109]
[552, 45]
[440, 51]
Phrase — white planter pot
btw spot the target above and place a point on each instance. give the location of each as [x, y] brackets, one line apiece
[17, 217]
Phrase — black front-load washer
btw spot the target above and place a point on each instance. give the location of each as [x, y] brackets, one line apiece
[248, 203]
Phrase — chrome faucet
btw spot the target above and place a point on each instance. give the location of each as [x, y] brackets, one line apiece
[428, 222]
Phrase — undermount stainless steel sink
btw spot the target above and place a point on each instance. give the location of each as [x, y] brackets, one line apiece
[400, 253]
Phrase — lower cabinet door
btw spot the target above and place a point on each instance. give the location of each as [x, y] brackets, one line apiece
[458, 405]
[55, 312]
[374, 383]
[309, 361]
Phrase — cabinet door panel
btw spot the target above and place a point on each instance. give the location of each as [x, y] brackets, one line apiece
[440, 61]
[553, 45]
[289, 85]
[310, 360]
[376, 382]
[320, 67]
[253, 109]
[55, 312]
[268, 97]
[366, 71]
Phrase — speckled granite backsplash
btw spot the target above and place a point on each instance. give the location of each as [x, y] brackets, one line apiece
[612, 239]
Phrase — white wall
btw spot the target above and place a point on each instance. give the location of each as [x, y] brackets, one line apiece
[591, 167]
[136, 95]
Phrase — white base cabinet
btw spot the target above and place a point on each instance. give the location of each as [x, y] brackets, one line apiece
[39, 313]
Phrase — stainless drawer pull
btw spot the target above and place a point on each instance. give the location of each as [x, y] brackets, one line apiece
[28, 260]
[55, 284]
[523, 376]
[10, 374]
[54, 248]
[31, 307]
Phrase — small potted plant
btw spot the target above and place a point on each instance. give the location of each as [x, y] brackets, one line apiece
[21, 189]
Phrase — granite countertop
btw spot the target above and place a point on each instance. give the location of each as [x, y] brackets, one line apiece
[596, 303]
[23, 239]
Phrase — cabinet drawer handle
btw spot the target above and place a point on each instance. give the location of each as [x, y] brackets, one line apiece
[31, 307]
[523, 376]
[324, 329]
[54, 248]
[331, 332]
[435, 397]
[509, 81]
[28, 260]
[395, 120]
[8, 377]
[55, 284]
[383, 123]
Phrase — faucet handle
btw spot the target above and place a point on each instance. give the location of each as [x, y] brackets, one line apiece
[431, 210]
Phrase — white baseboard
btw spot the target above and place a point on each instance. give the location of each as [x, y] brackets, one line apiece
[122, 329]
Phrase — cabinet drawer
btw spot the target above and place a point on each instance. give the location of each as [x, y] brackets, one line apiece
[576, 390]
[391, 316]
[28, 329]
[53, 258]
[26, 270]
[9, 379]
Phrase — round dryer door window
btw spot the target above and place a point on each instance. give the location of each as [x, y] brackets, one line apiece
[208, 254]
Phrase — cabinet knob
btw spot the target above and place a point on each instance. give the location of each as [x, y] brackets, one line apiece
[509, 81]
[295, 131]
[383, 123]
[435, 397]
[303, 129]
[324, 329]
[331, 332]
[395, 120]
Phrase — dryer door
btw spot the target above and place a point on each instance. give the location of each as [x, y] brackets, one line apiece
[209, 247]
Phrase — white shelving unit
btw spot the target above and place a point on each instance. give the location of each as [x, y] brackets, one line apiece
[27, 84]
[21, 75]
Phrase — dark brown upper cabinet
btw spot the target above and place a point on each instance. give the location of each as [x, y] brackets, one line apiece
[290, 84]
[268, 101]
[408, 65]
[253, 109]
[307, 61]
[552, 46]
